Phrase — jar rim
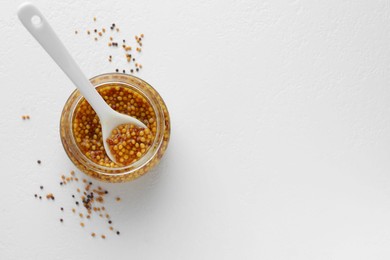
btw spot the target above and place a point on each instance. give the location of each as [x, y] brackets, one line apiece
[128, 81]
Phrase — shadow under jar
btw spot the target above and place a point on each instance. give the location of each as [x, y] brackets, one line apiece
[114, 172]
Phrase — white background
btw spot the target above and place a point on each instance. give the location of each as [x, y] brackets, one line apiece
[280, 131]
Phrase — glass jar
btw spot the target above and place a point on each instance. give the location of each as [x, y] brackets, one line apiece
[119, 173]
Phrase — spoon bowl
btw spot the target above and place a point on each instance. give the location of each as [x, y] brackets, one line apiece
[112, 122]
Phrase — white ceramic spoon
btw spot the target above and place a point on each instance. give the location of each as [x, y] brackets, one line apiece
[38, 26]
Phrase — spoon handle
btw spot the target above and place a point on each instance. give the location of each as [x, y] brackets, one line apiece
[40, 28]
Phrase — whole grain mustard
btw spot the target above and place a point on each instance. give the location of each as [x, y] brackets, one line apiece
[128, 143]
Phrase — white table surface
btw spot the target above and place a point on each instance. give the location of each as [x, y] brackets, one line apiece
[280, 131]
